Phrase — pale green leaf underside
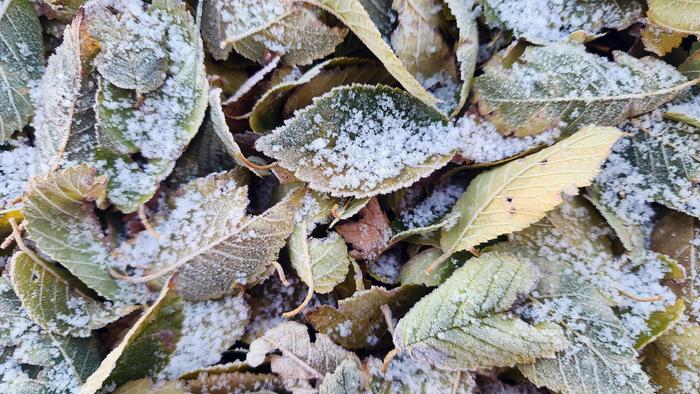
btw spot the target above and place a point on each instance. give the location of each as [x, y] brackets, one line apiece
[320, 263]
[59, 214]
[464, 325]
[21, 62]
[467, 47]
[517, 194]
[49, 297]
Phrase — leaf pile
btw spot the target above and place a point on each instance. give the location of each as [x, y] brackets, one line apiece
[349, 196]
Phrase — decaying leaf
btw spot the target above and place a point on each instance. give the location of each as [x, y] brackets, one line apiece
[301, 359]
[358, 322]
[672, 360]
[461, 326]
[369, 235]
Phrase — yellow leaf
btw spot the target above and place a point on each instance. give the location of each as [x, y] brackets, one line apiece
[513, 196]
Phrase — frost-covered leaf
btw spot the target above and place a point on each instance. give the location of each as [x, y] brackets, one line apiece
[600, 357]
[18, 164]
[286, 97]
[420, 45]
[243, 257]
[406, 375]
[300, 37]
[358, 321]
[157, 125]
[348, 378]
[196, 229]
[360, 141]
[678, 15]
[234, 376]
[60, 217]
[216, 323]
[355, 17]
[301, 359]
[686, 110]
[563, 85]
[464, 324]
[673, 360]
[656, 162]
[661, 322]
[132, 51]
[321, 263]
[542, 21]
[62, 362]
[65, 118]
[21, 63]
[146, 347]
[691, 66]
[55, 300]
[515, 195]
[255, 29]
[467, 47]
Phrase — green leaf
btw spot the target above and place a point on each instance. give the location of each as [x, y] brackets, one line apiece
[564, 86]
[146, 347]
[599, 357]
[678, 15]
[661, 322]
[22, 60]
[691, 66]
[334, 144]
[517, 194]
[464, 324]
[358, 321]
[60, 217]
[256, 29]
[321, 263]
[351, 208]
[673, 362]
[414, 271]
[158, 125]
[131, 48]
[53, 298]
[467, 47]
[301, 359]
[356, 18]
[555, 20]
[286, 97]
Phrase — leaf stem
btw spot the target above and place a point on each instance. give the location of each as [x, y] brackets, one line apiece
[303, 305]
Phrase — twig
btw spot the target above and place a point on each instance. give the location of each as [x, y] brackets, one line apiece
[146, 223]
[253, 165]
[638, 298]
